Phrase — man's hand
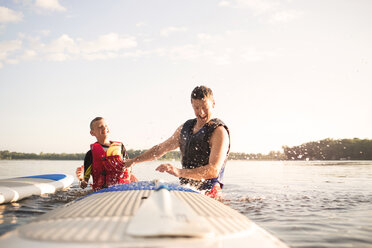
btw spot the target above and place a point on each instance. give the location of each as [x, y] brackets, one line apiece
[169, 169]
[128, 163]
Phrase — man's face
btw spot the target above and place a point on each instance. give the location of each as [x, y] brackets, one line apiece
[100, 129]
[203, 109]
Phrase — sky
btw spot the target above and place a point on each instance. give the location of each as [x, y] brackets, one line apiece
[282, 72]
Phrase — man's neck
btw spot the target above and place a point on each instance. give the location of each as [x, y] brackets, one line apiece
[199, 125]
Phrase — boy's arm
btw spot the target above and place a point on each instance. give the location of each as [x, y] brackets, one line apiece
[83, 173]
[88, 164]
[157, 151]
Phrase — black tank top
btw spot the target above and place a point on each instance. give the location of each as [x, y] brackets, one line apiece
[195, 151]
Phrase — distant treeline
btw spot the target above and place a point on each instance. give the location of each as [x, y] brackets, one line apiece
[327, 149]
[174, 155]
[330, 149]
[6, 155]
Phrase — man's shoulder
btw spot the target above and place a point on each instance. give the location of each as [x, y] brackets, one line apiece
[220, 135]
[221, 130]
[218, 121]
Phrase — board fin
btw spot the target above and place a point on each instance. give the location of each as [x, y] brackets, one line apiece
[164, 215]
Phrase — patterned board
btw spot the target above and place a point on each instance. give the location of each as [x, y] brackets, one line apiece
[102, 218]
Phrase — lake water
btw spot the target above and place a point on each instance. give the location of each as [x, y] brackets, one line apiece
[305, 204]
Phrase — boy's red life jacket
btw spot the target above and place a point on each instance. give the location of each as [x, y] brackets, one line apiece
[107, 168]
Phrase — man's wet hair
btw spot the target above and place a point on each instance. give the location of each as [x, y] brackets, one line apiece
[94, 120]
[201, 92]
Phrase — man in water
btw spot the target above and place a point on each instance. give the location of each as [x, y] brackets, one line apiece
[204, 143]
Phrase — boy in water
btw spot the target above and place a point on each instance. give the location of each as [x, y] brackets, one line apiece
[104, 161]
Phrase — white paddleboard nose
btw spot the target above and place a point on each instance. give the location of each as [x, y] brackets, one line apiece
[165, 215]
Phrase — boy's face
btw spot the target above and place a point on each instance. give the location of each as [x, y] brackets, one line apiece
[100, 130]
[203, 109]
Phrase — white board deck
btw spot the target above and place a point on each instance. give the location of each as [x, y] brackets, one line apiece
[15, 189]
[139, 215]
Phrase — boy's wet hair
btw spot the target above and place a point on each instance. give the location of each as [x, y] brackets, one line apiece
[94, 120]
[201, 92]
